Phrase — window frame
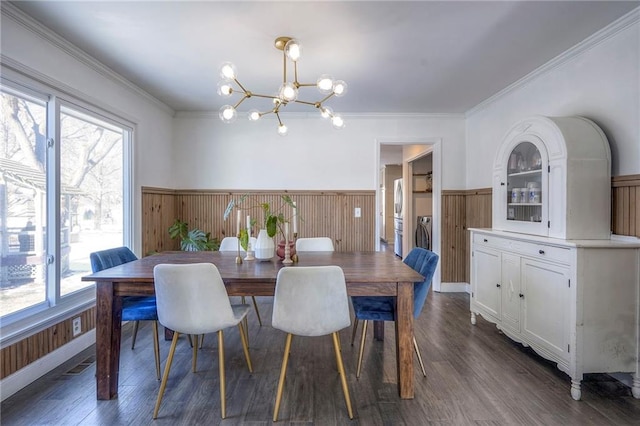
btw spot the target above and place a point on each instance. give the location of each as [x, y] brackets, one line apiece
[17, 325]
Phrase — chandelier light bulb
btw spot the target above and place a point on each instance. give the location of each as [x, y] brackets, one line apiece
[288, 92]
[228, 113]
[339, 88]
[325, 84]
[224, 88]
[326, 112]
[283, 130]
[293, 50]
[254, 115]
[228, 71]
[337, 122]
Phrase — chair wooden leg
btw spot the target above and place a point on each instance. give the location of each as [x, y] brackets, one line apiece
[165, 376]
[245, 320]
[355, 329]
[190, 341]
[255, 306]
[361, 352]
[343, 376]
[201, 340]
[194, 359]
[223, 397]
[415, 345]
[283, 371]
[135, 333]
[245, 347]
[156, 348]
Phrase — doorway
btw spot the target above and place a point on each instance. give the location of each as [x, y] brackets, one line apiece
[412, 152]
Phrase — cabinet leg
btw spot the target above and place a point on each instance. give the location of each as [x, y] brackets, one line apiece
[635, 387]
[576, 393]
[473, 318]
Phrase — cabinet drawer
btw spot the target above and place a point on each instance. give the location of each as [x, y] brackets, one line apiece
[531, 249]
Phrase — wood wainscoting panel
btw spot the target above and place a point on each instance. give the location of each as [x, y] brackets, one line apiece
[479, 213]
[34, 347]
[625, 205]
[158, 213]
[454, 235]
[321, 213]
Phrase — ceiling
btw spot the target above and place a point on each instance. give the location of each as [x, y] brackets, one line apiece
[397, 57]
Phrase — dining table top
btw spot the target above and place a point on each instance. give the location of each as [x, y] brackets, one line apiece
[358, 267]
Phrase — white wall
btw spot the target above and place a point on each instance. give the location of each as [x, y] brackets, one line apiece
[598, 79]
[31, 47]
[313, 156]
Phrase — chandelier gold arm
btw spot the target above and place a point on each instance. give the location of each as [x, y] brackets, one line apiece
[240, 101]
[240, 85]
[278, 115]
[284, 67]
[326, 97]
[315, 104]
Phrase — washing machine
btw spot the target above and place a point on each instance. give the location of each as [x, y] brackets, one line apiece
[423, 232]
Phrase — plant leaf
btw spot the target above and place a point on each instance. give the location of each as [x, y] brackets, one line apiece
[272, 222]
[244, 239]
[229, 208]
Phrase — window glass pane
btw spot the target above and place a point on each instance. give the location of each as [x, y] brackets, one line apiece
[22, 202]
[91, 199]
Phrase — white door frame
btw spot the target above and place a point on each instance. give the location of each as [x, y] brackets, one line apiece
[433, 145]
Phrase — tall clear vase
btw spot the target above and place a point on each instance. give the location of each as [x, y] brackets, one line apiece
[265, 247]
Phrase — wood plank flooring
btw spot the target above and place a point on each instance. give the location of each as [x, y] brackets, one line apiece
[476, 376]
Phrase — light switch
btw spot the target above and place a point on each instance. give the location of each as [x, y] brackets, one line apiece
[357, 212]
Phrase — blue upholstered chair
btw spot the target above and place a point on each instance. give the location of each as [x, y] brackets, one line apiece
[193, 300]
[134, 308]
[382, 308]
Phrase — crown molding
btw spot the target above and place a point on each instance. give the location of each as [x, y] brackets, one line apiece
[10, 64]
[39, 29]
[587, 44]
[300, 115]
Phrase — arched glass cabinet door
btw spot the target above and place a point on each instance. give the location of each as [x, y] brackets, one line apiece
[524, 184]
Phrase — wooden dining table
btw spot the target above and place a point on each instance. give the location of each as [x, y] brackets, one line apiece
[366, 274]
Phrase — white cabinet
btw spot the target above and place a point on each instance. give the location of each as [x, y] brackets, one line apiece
[552, 177]
[574, 302]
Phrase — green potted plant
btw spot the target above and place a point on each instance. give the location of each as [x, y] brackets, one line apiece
[194, 239]
[273, 221]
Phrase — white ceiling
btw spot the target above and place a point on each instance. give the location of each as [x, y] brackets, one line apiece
[397, 57]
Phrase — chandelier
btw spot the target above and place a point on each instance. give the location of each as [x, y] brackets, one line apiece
[287, 93]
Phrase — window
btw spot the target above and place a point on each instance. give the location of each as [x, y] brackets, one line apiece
[63, 194]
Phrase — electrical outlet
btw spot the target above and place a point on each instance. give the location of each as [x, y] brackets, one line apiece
[77, 326]
[357, 212]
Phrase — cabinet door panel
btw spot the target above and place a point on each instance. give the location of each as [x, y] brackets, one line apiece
[510, 291]
[486, 280]
[545, 300]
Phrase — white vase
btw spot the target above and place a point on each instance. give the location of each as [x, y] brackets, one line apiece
[265, 247]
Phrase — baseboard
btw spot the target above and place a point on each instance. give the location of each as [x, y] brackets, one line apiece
[29, 374]
[455, 288]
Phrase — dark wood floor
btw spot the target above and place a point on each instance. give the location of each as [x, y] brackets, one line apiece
[476, 376]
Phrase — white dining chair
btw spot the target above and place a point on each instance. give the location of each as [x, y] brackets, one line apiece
[231, 244]
[314, 244]
[311, 301]
[193, 300]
